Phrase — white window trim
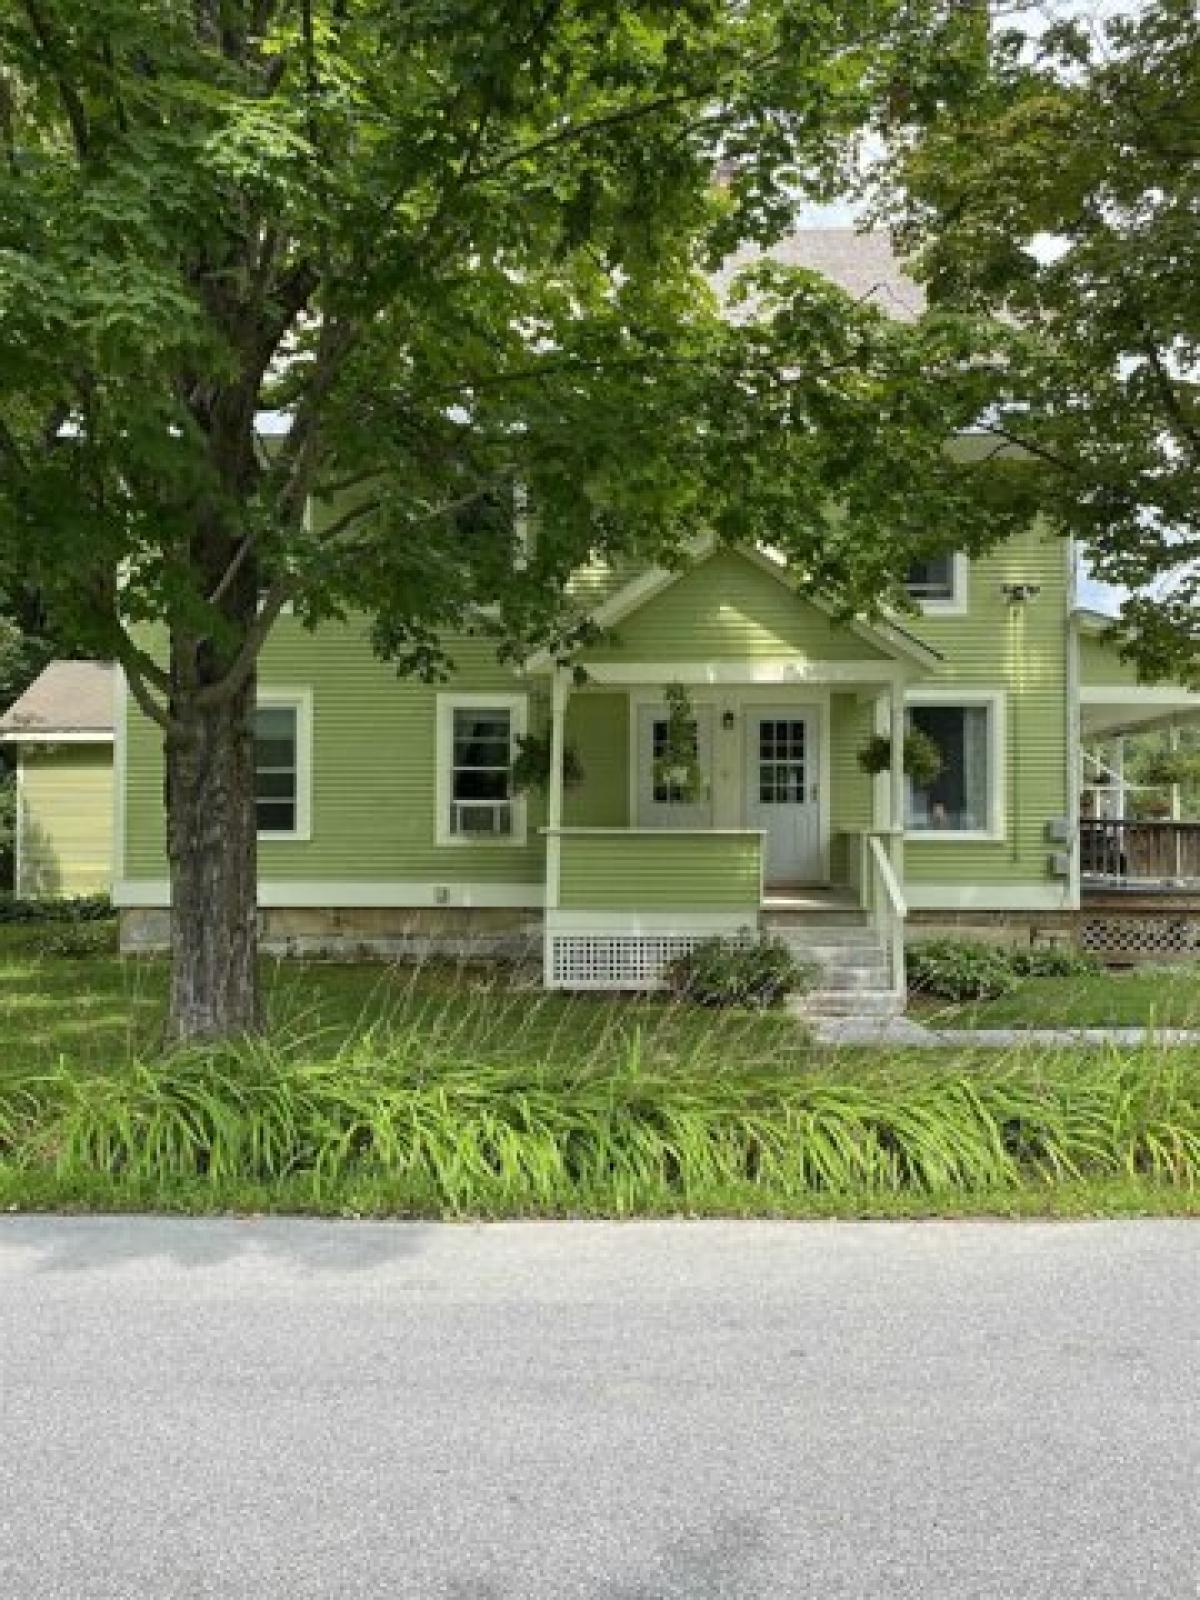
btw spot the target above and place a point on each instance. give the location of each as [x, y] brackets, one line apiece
[995, 702]
[270, 697]
[956, 604]
[447, 704]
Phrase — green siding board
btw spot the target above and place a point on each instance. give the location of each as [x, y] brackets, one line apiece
[1102, 666]
[598, 728]
[374, 778]
[374, 736]
[67, 820]
[1021, 650]
[728, 608]
[660, 872]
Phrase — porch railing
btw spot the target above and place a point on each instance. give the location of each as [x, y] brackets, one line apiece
[1134, 854]
[622, 903]
[882, 896]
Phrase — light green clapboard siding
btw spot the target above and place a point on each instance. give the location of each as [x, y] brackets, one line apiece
[1022, 651]
[852, 722]
[728, 608]
[1101, 664]
[66, 820]
[374, 743]
[661, 872]
[598, 729]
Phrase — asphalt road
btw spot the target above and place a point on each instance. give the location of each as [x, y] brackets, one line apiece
[637, 1412]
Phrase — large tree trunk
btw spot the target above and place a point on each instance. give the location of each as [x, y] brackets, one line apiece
[211, 843]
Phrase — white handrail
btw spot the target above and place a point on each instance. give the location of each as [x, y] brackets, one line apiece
[887, 874]
[889, 909]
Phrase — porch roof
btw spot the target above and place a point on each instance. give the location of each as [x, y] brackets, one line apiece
[1115, 709]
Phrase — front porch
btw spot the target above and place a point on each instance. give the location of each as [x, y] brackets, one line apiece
[788, 834]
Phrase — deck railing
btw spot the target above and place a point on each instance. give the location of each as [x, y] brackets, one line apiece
[1134, 854]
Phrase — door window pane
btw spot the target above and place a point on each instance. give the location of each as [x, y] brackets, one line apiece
[958, 800]
[782, 761]
[275, 769]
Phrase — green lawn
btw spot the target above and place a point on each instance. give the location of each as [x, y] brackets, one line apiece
[1167, 997]
[100, 1011]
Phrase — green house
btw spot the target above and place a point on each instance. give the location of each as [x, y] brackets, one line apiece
[390, 821]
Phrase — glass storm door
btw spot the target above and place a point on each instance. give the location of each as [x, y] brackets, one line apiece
[783, 793]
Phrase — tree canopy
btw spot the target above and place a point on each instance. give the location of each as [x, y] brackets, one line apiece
[1055, 206]
[465, 250]
[463, 246]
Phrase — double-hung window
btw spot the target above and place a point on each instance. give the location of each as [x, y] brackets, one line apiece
[965, 799]
[477, 743]
[281, 765]
[938, 583]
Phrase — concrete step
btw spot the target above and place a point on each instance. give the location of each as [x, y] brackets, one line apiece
[848, 950]
[785, 921]
[860, 979]
[848, 1003]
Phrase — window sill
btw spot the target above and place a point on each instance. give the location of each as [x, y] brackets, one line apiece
[456, 842]
[953, 836]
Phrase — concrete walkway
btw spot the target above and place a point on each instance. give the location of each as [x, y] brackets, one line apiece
[902, 1032]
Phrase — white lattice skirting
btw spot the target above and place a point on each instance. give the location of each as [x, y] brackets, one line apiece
[599, 950]
[615, 960]
[1138, 936]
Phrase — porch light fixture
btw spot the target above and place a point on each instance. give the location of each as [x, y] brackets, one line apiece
[728, 721]
[1018, 594]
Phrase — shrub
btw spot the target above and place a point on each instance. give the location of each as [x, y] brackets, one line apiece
[1052, 961]
[739, 972]
[961, 969]
[76, 941]
[80, 908]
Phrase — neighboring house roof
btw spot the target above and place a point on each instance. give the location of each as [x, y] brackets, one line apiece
[863, 264]
[69, 700]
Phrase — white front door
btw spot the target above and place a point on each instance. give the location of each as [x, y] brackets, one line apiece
[783, 791]
[660, 803]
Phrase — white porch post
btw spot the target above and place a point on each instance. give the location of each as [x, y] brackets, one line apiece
[896, 775]
[554, 807]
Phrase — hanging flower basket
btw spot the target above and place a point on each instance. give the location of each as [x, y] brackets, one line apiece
[678, 768]
[531, 769]
[922, 759]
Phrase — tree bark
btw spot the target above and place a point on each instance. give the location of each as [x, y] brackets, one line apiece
[212, 848]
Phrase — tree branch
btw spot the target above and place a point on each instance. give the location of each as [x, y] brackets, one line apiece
[71, 101]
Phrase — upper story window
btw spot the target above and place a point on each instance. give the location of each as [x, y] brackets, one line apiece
[282, 733]
[939, 583]
[477, 744]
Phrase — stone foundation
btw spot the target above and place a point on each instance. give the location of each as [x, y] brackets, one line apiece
[995, 927]
[404, 933]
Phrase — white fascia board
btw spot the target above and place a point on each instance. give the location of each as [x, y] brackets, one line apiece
[683, 923]
[767, 669]
[279, 894]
